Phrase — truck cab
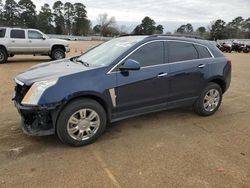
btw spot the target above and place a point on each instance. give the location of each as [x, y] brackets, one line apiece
[17, 41]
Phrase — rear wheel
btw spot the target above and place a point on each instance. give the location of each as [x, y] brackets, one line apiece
[209, 101]
[57, 53]
[81, 122]
[246, 50]
[3, 56]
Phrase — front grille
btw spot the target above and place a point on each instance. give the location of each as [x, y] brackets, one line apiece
[20, 92]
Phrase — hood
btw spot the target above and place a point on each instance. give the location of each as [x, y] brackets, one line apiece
[59, 41]
[54, 69]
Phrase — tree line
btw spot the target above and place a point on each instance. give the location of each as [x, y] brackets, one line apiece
[61, 18]
[71, 19]
[219, 29]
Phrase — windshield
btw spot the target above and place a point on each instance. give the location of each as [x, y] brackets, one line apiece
[107, 52]
[2, 33]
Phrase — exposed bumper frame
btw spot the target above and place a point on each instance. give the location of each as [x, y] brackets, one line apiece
[36, 120]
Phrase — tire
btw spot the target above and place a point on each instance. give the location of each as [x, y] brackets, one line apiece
[57, 53]
[3, 56]
[201, 106]
[246, 50]
[80, 130]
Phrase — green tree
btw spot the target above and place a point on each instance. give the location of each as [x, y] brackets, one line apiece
[159, 29]
[58, 17]
[138, 30]
[181, 29]
[234, 28]
[218, 29]
[81, 24]
[1, 13]
[188, 28]
[246, 28]
[68, 16]
[97, 29]
[11, 13]
[246, 25]
[147, 27]
[201, 30]
[28, 13]
[45, 19]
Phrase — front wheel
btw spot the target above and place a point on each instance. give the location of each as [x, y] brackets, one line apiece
[57, 54]
[3, 56]
[209, 101]
[81, 122]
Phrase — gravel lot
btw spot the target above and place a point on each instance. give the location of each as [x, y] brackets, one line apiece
[173, 148]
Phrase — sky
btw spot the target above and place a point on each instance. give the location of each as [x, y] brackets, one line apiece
[170, 13]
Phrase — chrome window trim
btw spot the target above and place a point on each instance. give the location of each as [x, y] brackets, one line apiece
[161, 40]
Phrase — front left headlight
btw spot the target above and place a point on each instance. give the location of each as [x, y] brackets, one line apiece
[35, 92]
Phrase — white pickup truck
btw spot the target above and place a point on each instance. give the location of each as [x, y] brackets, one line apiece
[17, 41]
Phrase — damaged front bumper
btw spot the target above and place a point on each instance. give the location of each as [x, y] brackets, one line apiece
[37, 121]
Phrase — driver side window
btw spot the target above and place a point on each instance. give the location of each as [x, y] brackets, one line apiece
[149, 54]
[34, 35]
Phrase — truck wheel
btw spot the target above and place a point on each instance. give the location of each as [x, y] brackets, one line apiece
[209, 101]
[81, 122]
[57, 54]
[3, 56]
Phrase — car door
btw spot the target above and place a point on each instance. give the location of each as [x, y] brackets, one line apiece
[147, 86]
[18, 42]
[37, 42]
[187, 71]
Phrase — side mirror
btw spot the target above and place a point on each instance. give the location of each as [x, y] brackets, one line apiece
[43, 37]
[130, 64]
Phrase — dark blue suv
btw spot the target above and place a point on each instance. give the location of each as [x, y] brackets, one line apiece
[125, 77]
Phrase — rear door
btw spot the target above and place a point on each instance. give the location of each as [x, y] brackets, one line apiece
[187, 70]
[147, 86]
[37, 42]
[18, 42]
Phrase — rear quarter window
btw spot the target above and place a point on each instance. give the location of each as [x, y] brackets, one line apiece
[2, 33]
[181, 51]
[203, 52]
[17, 34]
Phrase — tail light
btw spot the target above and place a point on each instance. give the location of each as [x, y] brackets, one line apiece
[229, 62]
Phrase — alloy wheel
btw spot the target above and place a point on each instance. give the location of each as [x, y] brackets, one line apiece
[211, 100]
[83, 124]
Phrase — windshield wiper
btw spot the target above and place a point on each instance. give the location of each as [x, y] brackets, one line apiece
[82, 62]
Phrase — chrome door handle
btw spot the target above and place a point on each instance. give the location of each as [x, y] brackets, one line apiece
[201, 65]
[162, 74]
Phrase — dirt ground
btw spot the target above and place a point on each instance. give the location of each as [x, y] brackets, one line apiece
[173, 148]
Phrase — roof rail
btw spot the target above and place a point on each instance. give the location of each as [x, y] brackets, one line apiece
[165, 35]
[177, 35]
[127, 35]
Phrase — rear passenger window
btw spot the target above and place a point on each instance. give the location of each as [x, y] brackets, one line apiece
[180, 51]
[203, 52]
[17, 34]
[149, 54]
